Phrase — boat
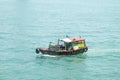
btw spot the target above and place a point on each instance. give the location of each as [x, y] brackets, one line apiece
[65, 46]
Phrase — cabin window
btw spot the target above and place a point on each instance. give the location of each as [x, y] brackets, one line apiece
[68, 46]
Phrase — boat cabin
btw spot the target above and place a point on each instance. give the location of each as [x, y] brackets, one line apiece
[68, 44]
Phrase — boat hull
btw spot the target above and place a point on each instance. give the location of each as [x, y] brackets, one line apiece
[61, 52]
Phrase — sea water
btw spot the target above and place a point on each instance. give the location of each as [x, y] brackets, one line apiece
[28, 24]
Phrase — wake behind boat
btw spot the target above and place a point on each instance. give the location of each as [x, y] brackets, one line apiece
[66, 46]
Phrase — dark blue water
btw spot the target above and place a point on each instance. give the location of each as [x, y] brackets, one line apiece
[28, 24]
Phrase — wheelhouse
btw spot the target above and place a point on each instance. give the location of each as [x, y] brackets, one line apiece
[68, 44]
[73, 43]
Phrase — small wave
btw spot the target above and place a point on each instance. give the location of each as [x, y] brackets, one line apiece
[49, 55]
[46, 55]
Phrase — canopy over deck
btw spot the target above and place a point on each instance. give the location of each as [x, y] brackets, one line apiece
[68, 40]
